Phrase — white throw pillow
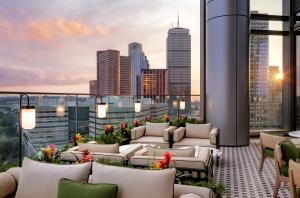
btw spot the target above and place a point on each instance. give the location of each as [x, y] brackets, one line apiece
[99, 148]
[198, 130]
[188, 152]
[41, 179]
[155, 129]
[136, 183]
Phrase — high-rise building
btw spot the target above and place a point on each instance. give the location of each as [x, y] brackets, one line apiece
[125, 75]
[139, 62]
[259, 75]
[108, 72]
[154, 83]
[179, 66]
[94, 87]
[275, 98]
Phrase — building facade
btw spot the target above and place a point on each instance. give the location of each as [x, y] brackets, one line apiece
[139, 62]
[259, 76]
[179, 67]
[155, 83]
[125, 76]
[94, 90]
[108, 72]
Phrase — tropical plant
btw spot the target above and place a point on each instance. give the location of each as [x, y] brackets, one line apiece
[110, 136]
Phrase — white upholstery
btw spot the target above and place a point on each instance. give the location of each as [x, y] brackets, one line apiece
[99, 148]
[137, 132]
[178, 134]
[194, 142]
[41, 179]
[7, 185]
[188, 152]
[198, 130]
[190, 195]
[155, 129]
[151, 140]
[135, 183]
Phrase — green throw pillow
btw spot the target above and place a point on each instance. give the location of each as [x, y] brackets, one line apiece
[73, 189]
[289, 151]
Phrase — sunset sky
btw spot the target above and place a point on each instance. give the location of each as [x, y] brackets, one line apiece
[51, 46]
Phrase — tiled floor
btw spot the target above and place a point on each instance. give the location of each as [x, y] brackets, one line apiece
[238, 170]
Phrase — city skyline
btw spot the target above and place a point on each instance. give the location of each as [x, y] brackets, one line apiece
[64, 45]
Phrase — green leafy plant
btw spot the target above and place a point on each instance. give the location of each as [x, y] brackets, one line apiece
[181, 122]
[110, 136]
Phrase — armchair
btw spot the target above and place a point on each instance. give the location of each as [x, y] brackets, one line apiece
[197, 135]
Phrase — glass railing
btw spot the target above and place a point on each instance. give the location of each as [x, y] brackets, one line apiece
[60, 116]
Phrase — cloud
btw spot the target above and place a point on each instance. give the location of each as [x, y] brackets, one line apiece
[12, 76]
[44, 31]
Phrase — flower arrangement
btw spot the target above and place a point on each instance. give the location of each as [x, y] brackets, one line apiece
[148, 118]
[108, 129]
[124, 127]
[49, 154]
[86, 156]
[110, 136]
[167, 118]
[166, 162]
[136, 123]
[76, 139]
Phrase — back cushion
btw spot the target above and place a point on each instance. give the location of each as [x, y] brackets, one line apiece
[135, 183]
[188, 152]
[41, 179]
[198, 130]
[99, 148]
[155, 129]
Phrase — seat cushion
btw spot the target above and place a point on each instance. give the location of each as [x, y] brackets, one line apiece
[289, 151]
[187, 152]
[268, 152]
[134, 183]
[73, 189]
[194, 142]
[150, 140]
[155, 129]
[41, 179]
[197, 130]
[99, 148]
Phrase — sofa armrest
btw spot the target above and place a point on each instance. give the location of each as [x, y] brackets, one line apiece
[75, 148]
[214, 137]
[131, 151]
[178, 134]
[142, 152]
[171, 129]
[8, 185]
[203, 192]
[137, 132]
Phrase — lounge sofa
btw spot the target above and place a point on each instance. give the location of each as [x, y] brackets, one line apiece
[37, 180]
[101, 151]
[203, 135]
[152, 133]
[196, 161]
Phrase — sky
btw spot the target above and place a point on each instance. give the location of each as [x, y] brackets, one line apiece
[51, 46]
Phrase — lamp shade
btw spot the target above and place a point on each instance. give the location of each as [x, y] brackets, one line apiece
[137, 106]
[60, 111]
[28, 117]
[101, 110]
[182, 104]
[174, 104]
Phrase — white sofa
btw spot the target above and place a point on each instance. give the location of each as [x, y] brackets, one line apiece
[37, 180]
[203, 135]
[101, 151]
[152, 133]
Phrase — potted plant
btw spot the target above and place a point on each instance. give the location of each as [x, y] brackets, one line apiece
[110, 136]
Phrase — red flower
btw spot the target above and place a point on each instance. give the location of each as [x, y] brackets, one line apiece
[136, 123]
[123, 125]
[86, 156]
[148, 119]
[167, 118]
[108, 129]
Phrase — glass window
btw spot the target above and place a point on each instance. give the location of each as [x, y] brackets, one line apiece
[271, 7]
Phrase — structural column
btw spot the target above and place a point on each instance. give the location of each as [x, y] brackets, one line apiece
[226, 65]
